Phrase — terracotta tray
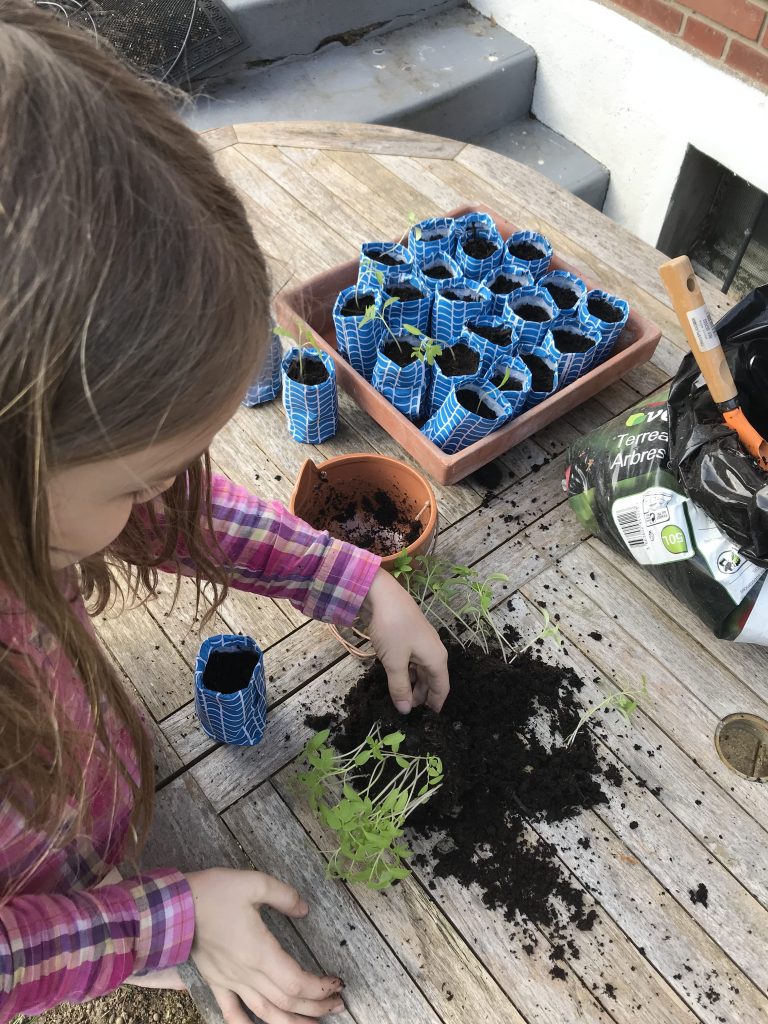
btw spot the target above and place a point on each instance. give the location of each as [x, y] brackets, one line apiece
[311, 303]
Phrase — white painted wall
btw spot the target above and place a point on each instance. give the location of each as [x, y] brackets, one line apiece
[634, 101]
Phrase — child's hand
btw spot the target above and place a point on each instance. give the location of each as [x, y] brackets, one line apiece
[408, 647]
[238, 956]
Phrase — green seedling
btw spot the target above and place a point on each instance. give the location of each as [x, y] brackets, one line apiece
[413, 226]
[368, 817]
[305, 339]
[625, 702]
[504, 379]
[426, 350]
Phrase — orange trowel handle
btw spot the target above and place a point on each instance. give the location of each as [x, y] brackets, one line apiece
[696, 321]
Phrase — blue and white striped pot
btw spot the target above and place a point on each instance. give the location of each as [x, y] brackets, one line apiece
[564, 279]
[488, 349]
[312, 410]
[530, 331]
[435, 238]
[481, 226]
[609, 332]
[266, 384]
[438, 261]
[518, 371]
[441, 383]
[240, 717]
[404, 386]
[453, 428]
[522, 278]
[546, 350]
[537, 266]
[371, 267]
[573, 365]
[450, 315]
[414, 312]
[358, 342]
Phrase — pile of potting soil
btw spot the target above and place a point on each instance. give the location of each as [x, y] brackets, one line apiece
[500, 736]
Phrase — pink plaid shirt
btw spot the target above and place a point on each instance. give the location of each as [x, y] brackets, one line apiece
[61, 938]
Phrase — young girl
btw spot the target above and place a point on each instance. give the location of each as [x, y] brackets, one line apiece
[133, 314]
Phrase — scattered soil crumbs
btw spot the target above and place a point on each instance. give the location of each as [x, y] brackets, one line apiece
[526, 251]
[314, 371]
[604, 311]
[500, 738]
[489, 477]
[356, 305]
[699, 895]
[458, 360]
[128, 1005]
[533, 314]
[542, 376]
[472, 402]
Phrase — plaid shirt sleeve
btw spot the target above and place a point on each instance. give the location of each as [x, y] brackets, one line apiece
[276, 554]
[83, 944]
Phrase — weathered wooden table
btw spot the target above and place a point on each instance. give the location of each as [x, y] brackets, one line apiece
[417, 955]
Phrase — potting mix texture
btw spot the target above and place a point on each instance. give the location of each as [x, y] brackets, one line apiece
[506, 766]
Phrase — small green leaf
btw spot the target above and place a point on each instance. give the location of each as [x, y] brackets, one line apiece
[394, 740]
[363, 758]
[389, 302]
[410, 329]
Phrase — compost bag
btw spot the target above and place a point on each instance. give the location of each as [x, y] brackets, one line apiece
[713, 468]
[621, 485]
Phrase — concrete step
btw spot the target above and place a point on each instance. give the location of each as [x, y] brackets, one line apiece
[276, 29]
[456, 74]
[541, 148]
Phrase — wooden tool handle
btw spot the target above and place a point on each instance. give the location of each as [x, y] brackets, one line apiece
[688, 302]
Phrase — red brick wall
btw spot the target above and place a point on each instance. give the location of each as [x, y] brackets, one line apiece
[734, 33]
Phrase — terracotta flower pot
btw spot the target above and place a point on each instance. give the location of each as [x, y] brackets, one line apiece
[334, 489]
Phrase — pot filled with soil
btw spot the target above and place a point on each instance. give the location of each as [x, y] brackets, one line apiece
[502, 282]
[455, 301]
[412, 305]
[531, 312]
[373, 501]
[513, 379]
[266, 385]
[608, 314]
[378, 258]
[310, 398]
[431, 238]
[358, 334]
[566, 289]
[493, 336]
[578, 344]
[528, 250]
[542, 359]
[437, 270]
[479, 246]
[470, 412]
[230, 689]
[401, 374]
[455, 366]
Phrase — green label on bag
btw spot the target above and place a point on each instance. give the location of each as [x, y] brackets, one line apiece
[673, 539]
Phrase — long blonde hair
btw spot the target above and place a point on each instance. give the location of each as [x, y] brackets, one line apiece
[133, 299]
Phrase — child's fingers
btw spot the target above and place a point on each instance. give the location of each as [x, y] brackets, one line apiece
[232, 1010]
[399, 682]
[287, 975]
[305, 1007]
[277, 894]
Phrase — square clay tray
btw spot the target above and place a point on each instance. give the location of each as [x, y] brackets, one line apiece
[311, 303]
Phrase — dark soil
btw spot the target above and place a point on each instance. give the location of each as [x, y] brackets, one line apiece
[435, 236]
[376, 522]
[458, 360]
[604, 311]
[405, 292]
[314, 372]
[399, 352]
[542, 376]
[472, 402]
[504, 285]
[533, 314]
[386, 258]
[357, 305]
[479, 248]
[565, 298]
[500, 738]
[438, 272]
[513, 384]
[456, 297]
[571, 341]
[499, 335]
[526, 251]
[229, 671]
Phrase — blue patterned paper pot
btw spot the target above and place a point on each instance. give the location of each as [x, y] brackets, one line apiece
[431, 238]
[468, 414]
[528, 250]
[578, 344]
[456, 301]
[357, 338]
[542, 359]
[458, 364]
[531, 312]
[513, 379]
[230, 689]
[310, 398]
[266, 384]
[479, 246]
[413, 305]
[502, 283]
[608, 314]
[566, 289]
[493, 336]
[400, 376]
[377, 258]
[436, 270]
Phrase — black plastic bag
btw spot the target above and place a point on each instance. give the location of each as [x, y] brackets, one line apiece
[705, 454]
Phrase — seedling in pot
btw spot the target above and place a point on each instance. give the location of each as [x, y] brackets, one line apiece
[426, 350]
[305, 340]
[624, 701]
[368, 817]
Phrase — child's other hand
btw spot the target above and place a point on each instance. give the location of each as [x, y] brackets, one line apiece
[413, 656]
[238, 956]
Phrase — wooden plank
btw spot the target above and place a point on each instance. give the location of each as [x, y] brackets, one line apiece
[392, 191]
[619, 396]
[219, 138]
[646, 378]
[339, 135]
[378, 989]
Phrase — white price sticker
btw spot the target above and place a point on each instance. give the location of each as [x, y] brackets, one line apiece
[703, 329]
